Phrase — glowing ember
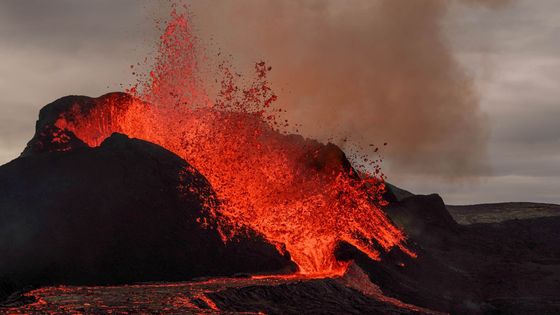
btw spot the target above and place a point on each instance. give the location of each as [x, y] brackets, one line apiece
[301, 195]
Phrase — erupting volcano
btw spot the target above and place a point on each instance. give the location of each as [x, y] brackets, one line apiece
[190, 192]
[301, 195]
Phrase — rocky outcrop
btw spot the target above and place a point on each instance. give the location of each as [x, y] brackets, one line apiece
[423, 216]
[50, 138]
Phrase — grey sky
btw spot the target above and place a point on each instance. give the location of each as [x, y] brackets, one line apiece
[49, 49]
[514, 54]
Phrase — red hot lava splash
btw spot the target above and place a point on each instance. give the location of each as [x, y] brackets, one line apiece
[301, 195]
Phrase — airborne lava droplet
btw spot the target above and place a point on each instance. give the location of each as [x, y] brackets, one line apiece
[300, 194]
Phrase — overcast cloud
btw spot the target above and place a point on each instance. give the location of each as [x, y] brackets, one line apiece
[49, 49]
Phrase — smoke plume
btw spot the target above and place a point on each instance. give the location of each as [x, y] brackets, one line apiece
[361, 72]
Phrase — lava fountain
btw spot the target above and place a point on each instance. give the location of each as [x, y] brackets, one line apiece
[301, 195]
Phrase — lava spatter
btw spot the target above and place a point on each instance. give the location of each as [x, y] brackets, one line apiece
[301, 195]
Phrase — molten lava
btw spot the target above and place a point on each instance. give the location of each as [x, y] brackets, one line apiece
[301, 195]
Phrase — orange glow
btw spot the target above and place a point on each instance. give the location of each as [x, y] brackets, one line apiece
[296, 192]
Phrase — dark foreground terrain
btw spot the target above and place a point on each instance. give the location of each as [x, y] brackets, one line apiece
[512, 267]
[508, 267]
[216, 296]
[88, 231]
[498, 212]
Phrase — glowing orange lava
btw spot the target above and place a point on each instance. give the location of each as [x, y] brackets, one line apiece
[300, 194]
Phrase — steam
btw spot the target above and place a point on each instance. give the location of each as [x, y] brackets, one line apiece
[361, 72]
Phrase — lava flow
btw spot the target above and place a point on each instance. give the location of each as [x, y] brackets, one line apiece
[303, 196]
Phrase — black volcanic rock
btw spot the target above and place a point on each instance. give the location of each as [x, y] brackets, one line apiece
[126, 211]
[394, 193]
[7, 287]
[321, 296]
[422, 216]
[52, 139]
[426, 281]
[510, 267]
[504, 211]
[49, 138]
